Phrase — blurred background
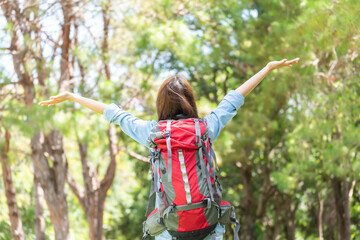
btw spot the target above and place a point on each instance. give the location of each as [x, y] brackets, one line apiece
[289, 160]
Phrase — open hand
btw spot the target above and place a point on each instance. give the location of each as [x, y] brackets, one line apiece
[56, 99]
[283, 63]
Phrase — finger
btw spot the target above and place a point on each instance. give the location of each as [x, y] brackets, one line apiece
[284, 60]
[293, 61]
[289, 63]
[46, 102]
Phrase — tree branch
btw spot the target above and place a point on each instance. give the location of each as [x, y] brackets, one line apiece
[111, 169]
[135, 155]
[76, 188]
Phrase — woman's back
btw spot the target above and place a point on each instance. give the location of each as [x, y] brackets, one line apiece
[139, 129]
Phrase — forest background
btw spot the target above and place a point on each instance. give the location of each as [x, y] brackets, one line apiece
[288, 160]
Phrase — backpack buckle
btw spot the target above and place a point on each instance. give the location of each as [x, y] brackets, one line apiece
[172, 207]
[207, 202]
[157, 154]
[161, 221]
[167, 134]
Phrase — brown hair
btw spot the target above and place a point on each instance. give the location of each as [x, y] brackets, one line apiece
[176, 97]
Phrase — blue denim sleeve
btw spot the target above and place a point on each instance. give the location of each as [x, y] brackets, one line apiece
[137, 129]
[224, 112]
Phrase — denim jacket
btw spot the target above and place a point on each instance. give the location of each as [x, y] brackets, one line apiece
[139, 129]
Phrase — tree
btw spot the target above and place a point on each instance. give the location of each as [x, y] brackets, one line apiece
[92, 197]
[288, 160]
[14, 215]
[52, 179]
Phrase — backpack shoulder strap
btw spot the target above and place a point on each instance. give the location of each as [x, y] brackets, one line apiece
[168, 146]
[155, 180]
[206, 133]
[212, 153]
[204, 170]
[154, 133]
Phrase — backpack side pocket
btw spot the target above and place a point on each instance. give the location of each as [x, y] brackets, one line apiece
[226, 211]
[153, 224]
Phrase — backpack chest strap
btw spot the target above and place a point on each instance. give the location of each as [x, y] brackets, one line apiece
[179, 208]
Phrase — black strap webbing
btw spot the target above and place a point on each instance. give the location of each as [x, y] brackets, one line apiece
[236, 224]
[209, 161]
[213, 155]
[151, 197]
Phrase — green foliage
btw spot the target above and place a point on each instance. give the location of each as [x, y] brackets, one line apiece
[297, 132]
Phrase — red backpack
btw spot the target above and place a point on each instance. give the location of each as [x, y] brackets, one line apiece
[185, 183]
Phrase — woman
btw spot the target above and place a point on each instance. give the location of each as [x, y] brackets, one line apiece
[175, 100]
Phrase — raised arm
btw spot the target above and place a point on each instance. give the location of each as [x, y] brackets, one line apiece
[86, 102]
[134, 127]
[250, 84]
[229, 106]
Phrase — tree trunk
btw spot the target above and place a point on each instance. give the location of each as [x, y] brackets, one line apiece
[105, 45]
[19, 54]
[320, 216]
[342, 205]
[39, 221]
[66, 69]
[329, 218]
[92, 190]
[290, 209]
[52, 179]
[277, 221]
[248, 202]
[15, 219]
[265, 193]
[92, 197]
